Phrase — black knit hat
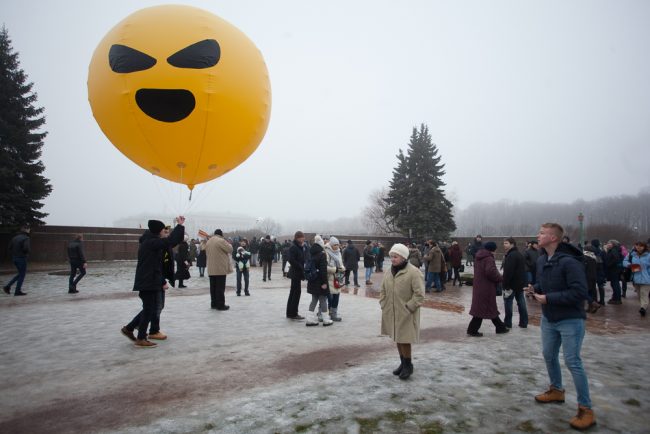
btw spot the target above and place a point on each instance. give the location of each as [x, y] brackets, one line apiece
[491, 246]
[155, 226]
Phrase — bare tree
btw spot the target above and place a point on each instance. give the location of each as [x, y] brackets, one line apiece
[374, 215]
[269, 226]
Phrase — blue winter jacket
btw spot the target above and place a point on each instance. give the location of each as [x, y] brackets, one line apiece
[564, 282]
[640, 277]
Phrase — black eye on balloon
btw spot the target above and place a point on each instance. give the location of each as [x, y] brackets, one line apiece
[125, 59]
[203, 54]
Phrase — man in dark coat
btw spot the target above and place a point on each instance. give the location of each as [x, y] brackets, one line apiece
[267, 253]
[296, 274]
[77, 263]
[601, 275]
[149, 280]
[514, 283]
[561, 289]
[351, 259]
[19, 250]
[477, 245]
[530, 256]
[613, 268]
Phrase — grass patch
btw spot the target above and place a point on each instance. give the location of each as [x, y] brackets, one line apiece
[527, 426]
[367, 425]
[433, 427]
[397, 416]
[303, 428]
[632, 402]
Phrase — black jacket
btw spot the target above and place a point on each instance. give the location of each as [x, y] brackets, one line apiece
[563, 280]
[368, 257]
[76, 252]
[613, 260]
[296, 262]
[267, 250]
[183, 256]
[351, 257]
[319, 258]
[19, 245]
[148, 272]
[531, 255]
[514, 270]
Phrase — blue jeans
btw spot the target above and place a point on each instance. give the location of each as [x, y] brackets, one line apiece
[21, 266]
[241, 273]
[433, 279]
[521, 307]
[368, 273]
[569, 334]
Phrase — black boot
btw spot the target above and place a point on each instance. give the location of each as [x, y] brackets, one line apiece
[407, 370]
[400, 367]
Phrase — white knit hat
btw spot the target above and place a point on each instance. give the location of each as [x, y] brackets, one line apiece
[400, 249]
[334, 241]
[318, 240]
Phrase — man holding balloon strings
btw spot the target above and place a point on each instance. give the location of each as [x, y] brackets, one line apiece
[149, 279]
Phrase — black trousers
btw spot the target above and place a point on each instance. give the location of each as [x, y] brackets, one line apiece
[217, 291]
[74, 266]
[294, 298]
[476, 322]
[151, 300]
[266, 268]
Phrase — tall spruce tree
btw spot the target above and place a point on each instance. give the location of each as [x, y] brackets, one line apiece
[22, 185]
[416, 202]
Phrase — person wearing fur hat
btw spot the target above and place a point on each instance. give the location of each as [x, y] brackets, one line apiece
[335, 270]
[319, 287]
[149, 279]
[484, 291]
[400, 298]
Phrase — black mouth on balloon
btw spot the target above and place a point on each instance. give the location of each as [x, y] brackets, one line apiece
[166, 105]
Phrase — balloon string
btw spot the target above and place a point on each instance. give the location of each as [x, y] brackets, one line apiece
[191, 191]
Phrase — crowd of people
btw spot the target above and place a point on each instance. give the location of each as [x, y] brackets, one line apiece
[560, 276]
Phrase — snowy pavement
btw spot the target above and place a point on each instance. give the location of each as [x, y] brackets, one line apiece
[66, 367]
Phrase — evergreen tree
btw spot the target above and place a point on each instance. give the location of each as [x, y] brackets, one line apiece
[416, 202]
[22, 185]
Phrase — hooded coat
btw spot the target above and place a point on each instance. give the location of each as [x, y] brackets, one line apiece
[562, 278]
[149, 271]
[514, 270]
[400, 299]
[455, 255]
[351, 257]
[334, 265]
[484, 289]
[319, 258]
[436, 260]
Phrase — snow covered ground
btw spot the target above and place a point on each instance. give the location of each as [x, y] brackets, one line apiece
[66, 367]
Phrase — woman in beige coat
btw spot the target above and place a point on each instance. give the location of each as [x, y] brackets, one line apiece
[402, 293]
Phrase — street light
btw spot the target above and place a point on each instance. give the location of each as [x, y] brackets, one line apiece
[581, 218]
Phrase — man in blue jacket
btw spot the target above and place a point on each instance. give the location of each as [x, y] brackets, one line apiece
[561, 288]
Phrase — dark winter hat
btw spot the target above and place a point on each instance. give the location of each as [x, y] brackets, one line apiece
[219, 232]
[368, 242]
[268, 237]
[491, 246]
[349, 241]
[155, 226]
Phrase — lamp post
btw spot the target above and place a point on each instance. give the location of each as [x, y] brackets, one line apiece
[581, 218]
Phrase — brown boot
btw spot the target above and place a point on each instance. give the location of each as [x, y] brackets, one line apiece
[584, 419]
[551, 395]
[143, 343]
[158, 336]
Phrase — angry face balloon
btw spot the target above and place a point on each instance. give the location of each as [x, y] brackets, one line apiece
[181, 92]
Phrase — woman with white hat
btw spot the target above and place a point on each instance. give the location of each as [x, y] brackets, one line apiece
[335, 269]
[402, 293]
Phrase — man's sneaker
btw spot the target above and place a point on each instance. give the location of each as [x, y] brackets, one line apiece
[551, 395]
[159, 336]
[73, 291]
[6, 289]
[128, 333]
[17, 293]
[584, 419]
[475, 334]
[224, 307]
[143, 343]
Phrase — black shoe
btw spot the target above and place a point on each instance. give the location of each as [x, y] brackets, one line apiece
[73, 291]
[400, 367]
[523, 326]
[239, 294]
[263, 280]
[17, 293]
[642, 311]
[6, 289]
[296, 318]
[407, 370]
[224, 307]
[182, 286]
[503, 330]
[269, 278]
[247, 294]
[475, 334]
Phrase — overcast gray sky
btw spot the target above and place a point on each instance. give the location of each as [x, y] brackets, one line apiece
[526, 100]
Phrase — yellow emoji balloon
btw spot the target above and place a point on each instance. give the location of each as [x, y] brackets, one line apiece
[181, 92]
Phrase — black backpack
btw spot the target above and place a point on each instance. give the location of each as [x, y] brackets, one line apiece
[312, 272]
